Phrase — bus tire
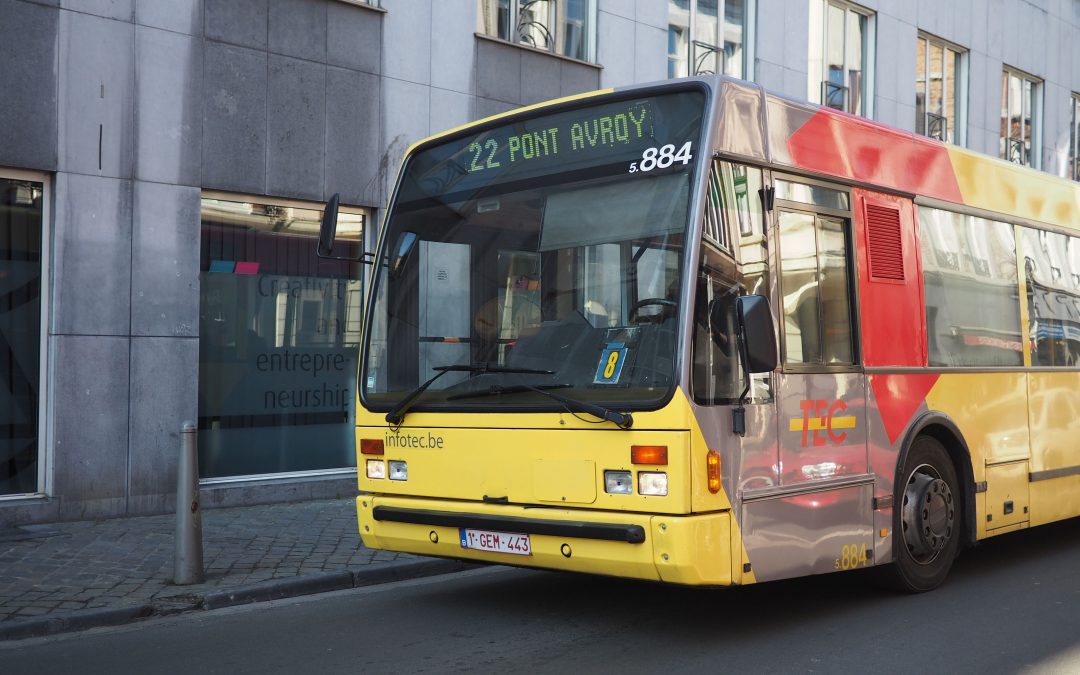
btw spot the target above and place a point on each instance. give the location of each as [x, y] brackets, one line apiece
[927, 518]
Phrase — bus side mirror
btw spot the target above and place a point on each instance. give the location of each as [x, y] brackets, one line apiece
[756, 333]
[328, 228]
[757, 348]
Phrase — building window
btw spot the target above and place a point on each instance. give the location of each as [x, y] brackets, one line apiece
[1021, 102]
[707, 37]
[1074, 139]
[841, 46]
[279, 331]
[940, 78]
[565, 27]
[22, 215]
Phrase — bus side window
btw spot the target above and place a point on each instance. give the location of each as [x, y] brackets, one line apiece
[717, 375]
[815, 283]
[733, 212]
[972, 292]
[1052, 266]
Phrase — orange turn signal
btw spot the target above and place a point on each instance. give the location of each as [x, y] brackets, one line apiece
[712, 461]
[371, 446]
[648, 454]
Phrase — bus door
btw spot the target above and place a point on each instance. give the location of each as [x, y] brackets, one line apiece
[819, 516]
[734, 261]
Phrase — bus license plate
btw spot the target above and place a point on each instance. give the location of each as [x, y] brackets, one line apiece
[496, 542]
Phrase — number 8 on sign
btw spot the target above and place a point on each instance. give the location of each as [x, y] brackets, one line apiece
[613, 359]
[609, 369]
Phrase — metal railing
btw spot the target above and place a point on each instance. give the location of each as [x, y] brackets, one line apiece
[1017, 152]
[937, 126]
[532, 30]
[834, 95]
[701, 58]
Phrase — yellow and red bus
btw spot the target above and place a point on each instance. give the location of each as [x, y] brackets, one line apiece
[698, 333]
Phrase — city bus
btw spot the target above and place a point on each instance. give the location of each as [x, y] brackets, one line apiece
[694, 332]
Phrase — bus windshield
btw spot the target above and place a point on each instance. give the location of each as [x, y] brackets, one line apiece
[545, 254]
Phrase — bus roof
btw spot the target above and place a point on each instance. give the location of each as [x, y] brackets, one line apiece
[810, 138]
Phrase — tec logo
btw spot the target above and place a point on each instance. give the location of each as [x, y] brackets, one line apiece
[821, 416]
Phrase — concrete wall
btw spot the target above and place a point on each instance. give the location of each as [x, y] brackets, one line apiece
[136, 107]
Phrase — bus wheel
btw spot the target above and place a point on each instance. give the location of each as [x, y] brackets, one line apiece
[928, 517]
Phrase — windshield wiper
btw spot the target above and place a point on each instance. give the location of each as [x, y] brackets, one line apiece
[621, 420]
[397, 413]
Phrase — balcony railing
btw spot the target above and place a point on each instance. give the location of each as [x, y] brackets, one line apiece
[702, 63]
[1017, 152]
[937, 126]
[532, 29]
[834, 95]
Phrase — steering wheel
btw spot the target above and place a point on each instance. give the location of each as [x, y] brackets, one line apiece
[663, 302]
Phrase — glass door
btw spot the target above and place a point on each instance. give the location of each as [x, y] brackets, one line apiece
[20, 334]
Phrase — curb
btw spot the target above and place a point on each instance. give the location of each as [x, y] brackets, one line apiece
[276, 589]
[73, 621]
[264, 591]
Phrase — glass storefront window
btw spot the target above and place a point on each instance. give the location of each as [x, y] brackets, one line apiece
[279, 331]
[20, 333]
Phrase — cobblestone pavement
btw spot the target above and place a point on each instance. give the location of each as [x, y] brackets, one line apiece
[67, 567]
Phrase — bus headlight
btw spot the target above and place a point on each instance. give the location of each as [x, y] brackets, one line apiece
[618, 482]
[652, 483]
[399, 470]
[376, 468]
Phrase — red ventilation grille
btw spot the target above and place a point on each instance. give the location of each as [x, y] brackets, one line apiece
[886, 248]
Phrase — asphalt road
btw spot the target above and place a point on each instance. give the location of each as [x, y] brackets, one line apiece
[1012, 604]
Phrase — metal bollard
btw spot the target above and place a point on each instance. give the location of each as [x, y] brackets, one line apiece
[188, 562]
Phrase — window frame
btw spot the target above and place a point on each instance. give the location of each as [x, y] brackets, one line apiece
[926, 239]
[715, 264]
[552, 27]
[848, 217]
[960, 95]
[369, 227]
[1073, 166]
[1037, 93]
[375, 5]
[45, 455]
[746, 68]
[816, 85]
[1025, 233]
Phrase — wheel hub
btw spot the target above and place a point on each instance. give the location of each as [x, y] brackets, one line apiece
[928, 516]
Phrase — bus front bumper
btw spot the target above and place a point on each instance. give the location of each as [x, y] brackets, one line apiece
[694, 550]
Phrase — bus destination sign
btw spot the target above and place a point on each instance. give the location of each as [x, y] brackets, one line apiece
[577, 135]
[634, 135]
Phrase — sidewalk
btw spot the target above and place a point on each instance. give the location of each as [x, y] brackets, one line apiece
[73, 576]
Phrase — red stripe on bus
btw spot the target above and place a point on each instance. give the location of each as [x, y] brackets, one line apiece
[852, 147]
[899, 397]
